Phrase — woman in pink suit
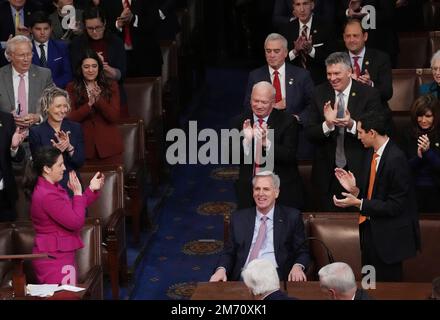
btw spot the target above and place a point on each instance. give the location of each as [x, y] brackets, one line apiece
[58, 219]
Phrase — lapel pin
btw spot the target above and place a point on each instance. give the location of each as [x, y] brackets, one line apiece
[290, 81]
[353, 94]
[314, 31]
[1, 124]
[367, 63]
[436, 144]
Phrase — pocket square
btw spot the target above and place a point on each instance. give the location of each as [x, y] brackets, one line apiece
[318, 44]
[57, 58]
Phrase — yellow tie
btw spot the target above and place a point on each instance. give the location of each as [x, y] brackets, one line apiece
[17, 20]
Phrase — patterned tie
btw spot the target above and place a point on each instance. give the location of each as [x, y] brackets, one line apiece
[17, 20]
[127, 34]
[357, 68]
[340, 159]
[370, 182]
[43, 60]
[303, 54]
[277, 86]
[259, 148]
[22, 97]
[261, 236]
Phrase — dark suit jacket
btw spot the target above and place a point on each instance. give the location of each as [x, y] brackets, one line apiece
[7, 129]
[299, 88]
[146, 49]
[379, 67]
[41, 135]
[58, 61]
[284, 149]
[362, 99]
[278, 295]
[39, 79]
[288, 238]
[323, 39]
[392, 208]
[7, 24]
[361, 294]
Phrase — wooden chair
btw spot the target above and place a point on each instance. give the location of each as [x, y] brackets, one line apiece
[405, 86]
[132, 132]
[414, 50]
[109, 208]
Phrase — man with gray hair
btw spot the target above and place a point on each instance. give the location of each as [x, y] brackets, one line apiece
[261, 278]
[338, 280]
[270, 139]
[21, 83]
[267, 231]
[335, 107]
[293, 86]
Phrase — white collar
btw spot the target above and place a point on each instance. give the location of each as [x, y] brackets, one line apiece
[281, 70]
[346, 91]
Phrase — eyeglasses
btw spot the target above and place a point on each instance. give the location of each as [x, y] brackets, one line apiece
[24, 55]
[95, 29]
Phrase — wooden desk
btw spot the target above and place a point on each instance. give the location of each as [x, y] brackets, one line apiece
[311, 291]
[7, 294]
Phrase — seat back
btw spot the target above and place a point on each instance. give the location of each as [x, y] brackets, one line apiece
[426, 265]
[414, 50]
[340, 233]
[144, 98]
[169, 56]
[434, 36]
[91, 254]
[305, 171]
[405, 86]
[6, 248]
[132, 132]
[112, 194]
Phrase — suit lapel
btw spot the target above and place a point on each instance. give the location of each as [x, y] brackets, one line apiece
[278, 226]
[249, 229]
[33, 80]
[9, 85]
[352, 99]
[367, 60]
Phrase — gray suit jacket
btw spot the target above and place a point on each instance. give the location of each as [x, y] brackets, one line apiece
[39, 79]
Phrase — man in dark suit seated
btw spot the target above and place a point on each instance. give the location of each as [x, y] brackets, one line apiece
[338, 280]
[293, 86]
[277, 146]
[10, 150]
[335, 107]
[370, 66]
[50, 53]
[388, 222]
[261, 278]
[267, 231]
[310, 39]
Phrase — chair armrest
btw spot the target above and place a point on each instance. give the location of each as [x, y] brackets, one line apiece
[92, 279]
[113, 222]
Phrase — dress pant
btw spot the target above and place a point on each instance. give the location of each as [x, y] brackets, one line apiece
[384, 272]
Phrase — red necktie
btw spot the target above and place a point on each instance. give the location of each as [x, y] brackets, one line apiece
[277, 85]
[370, 182]
[357, 68]
[127, 35]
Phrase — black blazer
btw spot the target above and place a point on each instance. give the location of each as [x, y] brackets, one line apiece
[299, 88]
[278, 295]
[288, 235]
[362, 99]
[379, 67]
[392, 208]
[284, 149]
[7, 129]
[323, 39]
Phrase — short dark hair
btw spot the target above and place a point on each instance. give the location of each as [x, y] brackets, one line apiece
[39, 17]
[374, 120]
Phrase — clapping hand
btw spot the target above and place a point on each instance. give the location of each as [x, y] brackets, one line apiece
[347, 180]
[18, 137]
[97, 181]
[74, 184]
[260, 132]
[423, 145]
[330, 114]
[63, 141]
[248, 131]
[344, 122]
[365, 78]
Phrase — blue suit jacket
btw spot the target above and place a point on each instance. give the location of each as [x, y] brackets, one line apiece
[58, 61]
[428, 88]
[288, 237]
[41, 135]
[299, 88]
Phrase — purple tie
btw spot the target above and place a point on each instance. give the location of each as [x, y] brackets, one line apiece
[260, 239]
[22, 96]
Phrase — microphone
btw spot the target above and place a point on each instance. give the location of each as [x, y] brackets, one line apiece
[327, 250]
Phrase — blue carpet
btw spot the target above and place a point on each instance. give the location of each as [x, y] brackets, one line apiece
[184, 249]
